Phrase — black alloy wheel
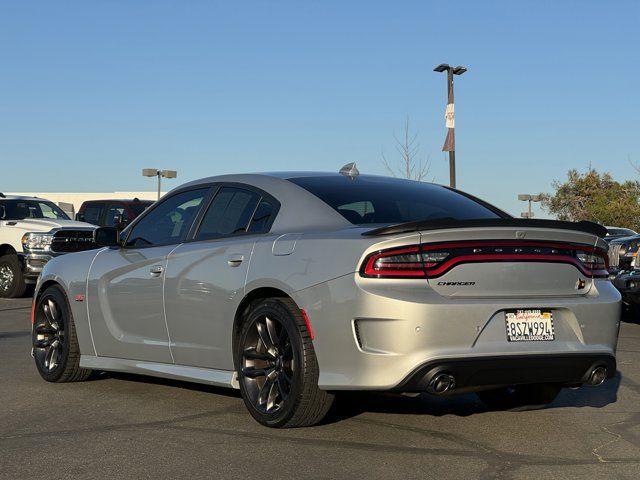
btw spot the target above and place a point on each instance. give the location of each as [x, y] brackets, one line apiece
[49, 335]
[277, 366]
[268, 364]
[55, 346]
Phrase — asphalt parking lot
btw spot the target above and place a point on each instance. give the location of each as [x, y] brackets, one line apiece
[119, 426]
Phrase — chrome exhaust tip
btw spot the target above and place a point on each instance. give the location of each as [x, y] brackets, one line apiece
[441, 383]
[597, 376]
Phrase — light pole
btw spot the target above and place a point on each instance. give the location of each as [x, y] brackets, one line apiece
[450, 141]
[154, 172]
[525, 197]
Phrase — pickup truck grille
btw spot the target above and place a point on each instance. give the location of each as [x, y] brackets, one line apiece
[65, 241]
[614, 255]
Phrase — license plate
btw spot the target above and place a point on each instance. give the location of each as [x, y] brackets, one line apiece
[529, 325]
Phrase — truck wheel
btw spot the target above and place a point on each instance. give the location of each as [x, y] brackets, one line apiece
[520, 396]
[11, 279]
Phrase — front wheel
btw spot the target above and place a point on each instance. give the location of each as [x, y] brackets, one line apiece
[55, 345]
[520, 396]
[277, 367]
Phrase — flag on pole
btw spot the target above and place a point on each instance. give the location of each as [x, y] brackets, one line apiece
[450, 141]
[449, 118]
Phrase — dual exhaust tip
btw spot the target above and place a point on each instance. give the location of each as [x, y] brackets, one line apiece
[443, 382]
[597, 376]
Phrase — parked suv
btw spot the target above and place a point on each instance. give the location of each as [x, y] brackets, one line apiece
[32, 231]
[111, 213]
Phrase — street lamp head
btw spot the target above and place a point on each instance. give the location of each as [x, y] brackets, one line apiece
[524, 197]
[169, 173]
[149, 172]
[443, 67]
[459, 70]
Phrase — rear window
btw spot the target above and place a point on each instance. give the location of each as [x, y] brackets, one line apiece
[138, 207]
[368, 199]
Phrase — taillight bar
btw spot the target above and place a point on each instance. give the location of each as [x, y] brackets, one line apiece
[435, 259]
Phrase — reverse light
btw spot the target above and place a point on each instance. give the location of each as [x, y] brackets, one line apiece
[37, 241]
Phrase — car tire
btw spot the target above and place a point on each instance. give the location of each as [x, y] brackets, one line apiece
[54, 341]
[12, 284]
[520, 396]
[277, 366]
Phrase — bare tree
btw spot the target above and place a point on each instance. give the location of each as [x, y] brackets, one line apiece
[634, 165]
[410, 165]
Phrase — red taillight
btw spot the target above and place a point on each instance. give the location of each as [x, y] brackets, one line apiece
[33, 311]
[597, 262]
[403, 262]
[434, 260]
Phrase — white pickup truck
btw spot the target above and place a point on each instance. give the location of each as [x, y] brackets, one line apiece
[32, 232]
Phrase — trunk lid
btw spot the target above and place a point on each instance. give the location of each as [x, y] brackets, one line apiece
[510, 261]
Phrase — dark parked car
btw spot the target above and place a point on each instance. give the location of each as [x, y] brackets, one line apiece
[624, 269]
[111, 213]
[618, 232]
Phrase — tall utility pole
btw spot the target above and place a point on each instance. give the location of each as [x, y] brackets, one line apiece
[450, 141]
[154, 172]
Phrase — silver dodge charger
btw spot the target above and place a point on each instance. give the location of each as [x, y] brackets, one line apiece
[295, 286]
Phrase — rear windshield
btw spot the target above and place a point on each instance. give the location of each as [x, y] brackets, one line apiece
[368, 199]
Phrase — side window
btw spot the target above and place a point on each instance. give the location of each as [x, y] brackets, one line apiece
[228, 214]
[262, 217]
[169, 222]
[47, 211]
[357, 212]
[93, 213]
[115, 215]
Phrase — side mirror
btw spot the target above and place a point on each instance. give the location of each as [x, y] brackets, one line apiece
[106, 237]
[79, 217]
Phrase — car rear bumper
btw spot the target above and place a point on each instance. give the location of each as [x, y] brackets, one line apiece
[390, 337]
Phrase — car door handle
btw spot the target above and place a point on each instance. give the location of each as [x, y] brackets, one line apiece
[235, 260]
[156, 270]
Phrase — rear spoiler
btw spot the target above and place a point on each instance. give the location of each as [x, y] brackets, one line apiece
[445, 223]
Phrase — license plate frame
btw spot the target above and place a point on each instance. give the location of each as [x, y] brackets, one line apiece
[529, 325]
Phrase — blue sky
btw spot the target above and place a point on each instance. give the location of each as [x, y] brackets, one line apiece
[93, 91]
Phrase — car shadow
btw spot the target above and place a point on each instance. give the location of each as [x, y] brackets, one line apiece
[630, 314]
[196, 387]
[353, 404]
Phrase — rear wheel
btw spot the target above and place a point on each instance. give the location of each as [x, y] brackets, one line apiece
[55, 345]
[520, 396]
[11, 279]
[277, 367]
